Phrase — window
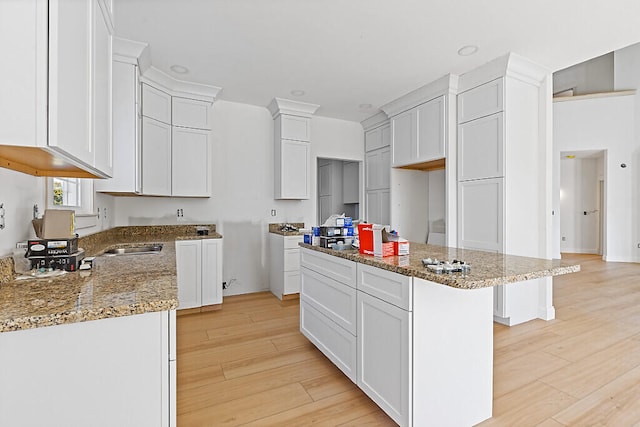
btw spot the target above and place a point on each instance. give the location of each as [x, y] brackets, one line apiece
[74, 194]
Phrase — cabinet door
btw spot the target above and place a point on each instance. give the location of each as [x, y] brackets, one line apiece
[70, 78]
[372, 170]
[156, 158]
[372, 204]
[190, 162]
[295, 128]
[102, 83]
[384, 167]
[211, 271]
[384, 356]
[156, 104]
[385, 207]
[126, 142]
[189, 272]
[480, 215]
[350, 183]
[190, 113]
[481, 148]
[430, 141]
[404, 137]
[295, 157]
[481, 101]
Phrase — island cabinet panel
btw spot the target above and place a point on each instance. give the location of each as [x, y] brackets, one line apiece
[339, 269]
[453, 355]
[103, 373]
[384, 356]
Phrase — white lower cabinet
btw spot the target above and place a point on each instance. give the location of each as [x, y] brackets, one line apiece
[384, 356]
[103, 373]
[199, 268]
[284, 272]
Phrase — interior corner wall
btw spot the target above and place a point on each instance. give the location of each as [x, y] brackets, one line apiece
[18, 193]
[242, 177]
[605, 124]
[592, 76]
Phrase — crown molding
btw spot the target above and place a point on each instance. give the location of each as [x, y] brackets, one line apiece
[180, 88]
[129, 51]
[510, 65]
[377, 120]
[279, 106]
[442, 86]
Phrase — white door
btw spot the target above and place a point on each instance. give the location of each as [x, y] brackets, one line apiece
[189, 272]
[295, 164]
[384, 356]
[156, 158]
[211, 271]
[190, 162]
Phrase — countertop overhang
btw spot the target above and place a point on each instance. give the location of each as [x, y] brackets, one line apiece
[487, 268]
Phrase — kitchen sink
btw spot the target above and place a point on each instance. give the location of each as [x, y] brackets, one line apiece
[138, 250]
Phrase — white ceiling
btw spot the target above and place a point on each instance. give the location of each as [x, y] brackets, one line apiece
[344, 53]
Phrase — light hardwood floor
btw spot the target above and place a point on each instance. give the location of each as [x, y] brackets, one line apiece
[248, 364]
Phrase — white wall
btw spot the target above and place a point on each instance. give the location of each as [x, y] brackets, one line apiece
[595, 75]
[604, 124]
[242, 174]
[579, 183]
[18, 192]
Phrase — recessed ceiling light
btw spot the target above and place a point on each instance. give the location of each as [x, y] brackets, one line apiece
[179, 69]
[467, 50]
[365, 106]
[297, 92]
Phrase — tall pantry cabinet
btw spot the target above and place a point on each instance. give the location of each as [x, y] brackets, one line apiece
[377, 143]
[503, 164]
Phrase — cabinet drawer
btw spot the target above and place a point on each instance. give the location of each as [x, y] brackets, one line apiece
[156, 104]
[391, 287]
[190, 113]
[291, 242]
[481, 148]
[333, 299]
[336, 343]
[291, 259]
[342, 270]
[480, 101]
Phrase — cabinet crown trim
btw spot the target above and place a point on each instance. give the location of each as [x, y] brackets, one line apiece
[377, 120]
[129, 51]
[447, 84]
[279, 106]
[509, 65]
[180, 88]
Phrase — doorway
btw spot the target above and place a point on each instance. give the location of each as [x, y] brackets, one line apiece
[338, 188]
[582, 202]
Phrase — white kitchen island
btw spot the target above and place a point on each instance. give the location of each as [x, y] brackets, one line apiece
[419, 344]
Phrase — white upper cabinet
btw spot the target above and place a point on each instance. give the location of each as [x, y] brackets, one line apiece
[481, 145]
[418, 135]
[156, 158]
[190, 113]
[292, 148]
[56, 89]
[156, 104]
[190, 162]
[102, 93]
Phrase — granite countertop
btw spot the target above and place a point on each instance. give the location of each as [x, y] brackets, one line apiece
[275, 228]
[487, 268]
[115, 286]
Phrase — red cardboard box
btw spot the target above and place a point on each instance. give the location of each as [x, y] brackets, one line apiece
[365, 231]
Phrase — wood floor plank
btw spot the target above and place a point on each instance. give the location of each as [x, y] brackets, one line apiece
[332, 411]
[250, 407]
[376, 418]
[616, 404]
[291, 341]
[202, 358]
[214, 393]
[512, 374]
[328, 385]
[596, 370]
[265, 362]
[528, 406]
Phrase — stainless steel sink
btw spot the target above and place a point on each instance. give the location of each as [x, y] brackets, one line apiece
[138, 250]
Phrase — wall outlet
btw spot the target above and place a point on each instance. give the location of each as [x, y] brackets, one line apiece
[638, 245]
[273, 212]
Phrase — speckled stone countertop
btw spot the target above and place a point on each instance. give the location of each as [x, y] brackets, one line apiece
[487, 268]
[115, 286]
[275, 228]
